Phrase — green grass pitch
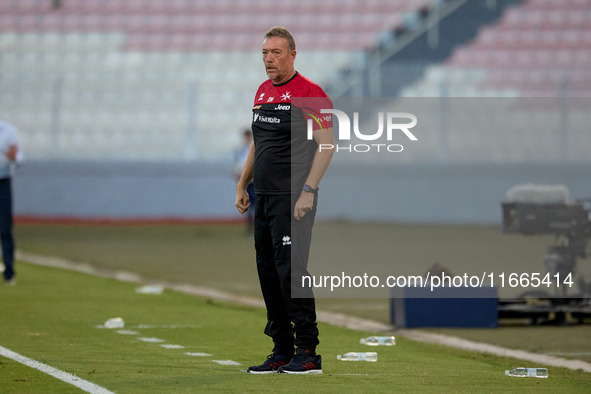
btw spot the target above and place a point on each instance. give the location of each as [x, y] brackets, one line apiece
[221, 257]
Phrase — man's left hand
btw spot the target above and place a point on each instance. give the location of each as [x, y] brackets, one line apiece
[304, 205]
[11, 153]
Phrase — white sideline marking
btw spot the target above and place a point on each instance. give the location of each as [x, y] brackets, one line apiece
[128, 332]
[156, 340]
[335, 319]
[226, 362]
[56, 373]
[198, 354]
[169, 346]
[465, 344]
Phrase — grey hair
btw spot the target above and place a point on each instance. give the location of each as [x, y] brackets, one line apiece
[280, 31]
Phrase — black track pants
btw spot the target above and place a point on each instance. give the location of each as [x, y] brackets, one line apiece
[283, 244]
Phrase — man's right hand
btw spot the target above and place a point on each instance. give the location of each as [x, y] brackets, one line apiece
[242, 200]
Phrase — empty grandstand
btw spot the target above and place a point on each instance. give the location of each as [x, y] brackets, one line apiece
[527, 63]
[99, 87]
[538, 48]
[173, 80]
[164, 80]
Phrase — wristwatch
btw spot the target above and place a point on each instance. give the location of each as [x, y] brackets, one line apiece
[308, 189]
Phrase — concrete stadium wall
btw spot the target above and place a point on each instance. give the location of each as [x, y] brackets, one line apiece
[439, 193]
[124, 190]
[412, 193]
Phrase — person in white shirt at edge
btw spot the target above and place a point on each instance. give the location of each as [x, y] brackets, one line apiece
[10, 155]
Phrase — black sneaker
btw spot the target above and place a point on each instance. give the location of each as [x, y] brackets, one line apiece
[303, 363]
[271, 365]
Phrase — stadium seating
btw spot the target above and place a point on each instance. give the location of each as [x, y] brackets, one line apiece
[538, 49]
[118, 78]
[170, 80]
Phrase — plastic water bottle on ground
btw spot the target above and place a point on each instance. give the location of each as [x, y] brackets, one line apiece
[362, 356]
[150, 289]
[115, 322]
[377, 341]
[528, 372]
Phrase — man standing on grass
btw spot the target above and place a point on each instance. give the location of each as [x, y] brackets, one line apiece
[285, 191]
[9, 156]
